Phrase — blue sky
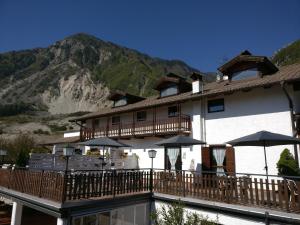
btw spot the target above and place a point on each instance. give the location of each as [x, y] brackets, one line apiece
[201, 33]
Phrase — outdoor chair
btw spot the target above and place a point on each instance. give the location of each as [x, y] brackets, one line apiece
[292, 191]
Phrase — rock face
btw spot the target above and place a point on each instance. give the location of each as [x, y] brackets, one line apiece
[76, 74]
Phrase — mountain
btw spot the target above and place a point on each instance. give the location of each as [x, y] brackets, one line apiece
[76, 74]
[287, 55]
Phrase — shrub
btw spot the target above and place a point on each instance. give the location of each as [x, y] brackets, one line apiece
[175, 214]
[287, 165]
[57, 128]
[40, 131]
[18, 148]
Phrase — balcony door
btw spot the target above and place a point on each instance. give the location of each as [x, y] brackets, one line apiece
[173, 159]
[220, 159]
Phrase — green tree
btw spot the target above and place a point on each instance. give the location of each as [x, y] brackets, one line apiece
[175, 214]
[287, 165]
[18, 148]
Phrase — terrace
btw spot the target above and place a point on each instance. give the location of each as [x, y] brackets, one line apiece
[275, 193]
[157, 127]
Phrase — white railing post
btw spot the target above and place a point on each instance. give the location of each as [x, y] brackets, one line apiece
[16, 215]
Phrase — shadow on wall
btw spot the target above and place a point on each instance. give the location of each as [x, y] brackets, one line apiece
[199, 168]
[255, 102]
[146, 143]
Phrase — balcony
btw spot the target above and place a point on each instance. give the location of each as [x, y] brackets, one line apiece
[274, 193]
[169, 126]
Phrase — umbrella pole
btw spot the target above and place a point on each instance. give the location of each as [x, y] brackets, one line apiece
[266, 165]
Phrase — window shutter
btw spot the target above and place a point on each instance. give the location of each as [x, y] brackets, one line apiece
[206, 164]
[230, 160]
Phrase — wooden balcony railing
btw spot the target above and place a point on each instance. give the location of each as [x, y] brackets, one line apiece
[172, 125]
[47, 185]
[61, 187]
[273, 193]
[106, 184]
[279, 194]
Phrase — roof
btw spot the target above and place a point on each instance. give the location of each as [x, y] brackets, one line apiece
[286, 73]
[172, 78]
[246, 60]
[65, 140]
[196, 76]
[116, 95]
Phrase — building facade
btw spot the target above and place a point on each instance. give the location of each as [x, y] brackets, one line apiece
[251, 95]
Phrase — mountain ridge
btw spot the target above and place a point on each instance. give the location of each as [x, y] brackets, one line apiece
[77, 73]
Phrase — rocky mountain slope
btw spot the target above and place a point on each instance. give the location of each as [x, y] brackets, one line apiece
[76, 74]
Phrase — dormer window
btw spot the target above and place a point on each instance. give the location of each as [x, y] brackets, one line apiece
[172, 84]
[245, 74]
[168, 91]
[247, 65]
[120, 102]
[120, 98]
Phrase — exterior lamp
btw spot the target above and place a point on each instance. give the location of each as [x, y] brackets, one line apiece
[3, 153]
[68, 151]
[152, 155]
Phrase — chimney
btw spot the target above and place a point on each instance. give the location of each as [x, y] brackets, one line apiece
[197, 83]
[219, 77]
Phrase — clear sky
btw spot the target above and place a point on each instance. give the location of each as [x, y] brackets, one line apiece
[201, 33]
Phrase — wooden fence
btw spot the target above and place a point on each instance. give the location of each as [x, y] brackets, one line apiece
[48, 185]
[279, 194]
[62, 187]
[109, 183]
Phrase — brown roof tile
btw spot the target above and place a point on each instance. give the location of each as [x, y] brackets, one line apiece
[287, 73]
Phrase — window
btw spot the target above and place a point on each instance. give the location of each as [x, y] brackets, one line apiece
[115, 120]
[296, 86]
[216, 105]
[104, 218]
[122, 101]
[244, 74]
[218, 163]
[171, 90]
[218, 158]
[97, 123]
[90, 220]
[172, 111]
[141, 116]
[173, 158]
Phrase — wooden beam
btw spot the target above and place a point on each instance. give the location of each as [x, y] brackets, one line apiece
[133, 123]
[154, 120]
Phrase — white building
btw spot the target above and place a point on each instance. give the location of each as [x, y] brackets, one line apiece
[251, 95]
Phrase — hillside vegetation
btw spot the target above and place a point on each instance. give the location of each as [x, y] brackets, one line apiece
[288, 55]
[77, 73]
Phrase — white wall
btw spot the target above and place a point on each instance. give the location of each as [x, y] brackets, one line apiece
[72, 134]
[191, 156]
[246, 113]
[223, 218]
[141, 148]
